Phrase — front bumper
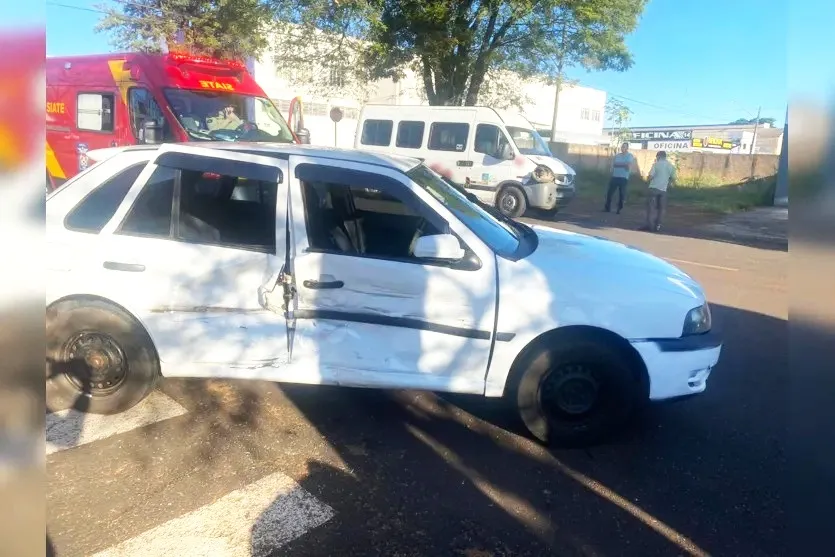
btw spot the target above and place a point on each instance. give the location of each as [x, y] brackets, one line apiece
[679, 367]
[549, 195]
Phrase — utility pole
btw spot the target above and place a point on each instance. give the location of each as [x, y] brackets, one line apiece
[756, 126]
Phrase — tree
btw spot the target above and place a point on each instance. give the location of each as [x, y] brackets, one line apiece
[619, 115]
[746, 121]
[453, 45]
[589, 34]
[219, 28]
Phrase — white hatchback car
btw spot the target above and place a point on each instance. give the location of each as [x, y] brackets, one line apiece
[311, 265]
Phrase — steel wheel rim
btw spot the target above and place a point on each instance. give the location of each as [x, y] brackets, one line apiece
[97, 364]
[508, 202]
[570, 391]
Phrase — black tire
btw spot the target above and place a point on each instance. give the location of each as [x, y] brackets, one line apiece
[99, 359]
[511, 202]
[590, 365]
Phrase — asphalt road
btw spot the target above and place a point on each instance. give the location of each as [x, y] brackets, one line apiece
[237, 468]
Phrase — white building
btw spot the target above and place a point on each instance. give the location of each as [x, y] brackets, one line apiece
[581, 109]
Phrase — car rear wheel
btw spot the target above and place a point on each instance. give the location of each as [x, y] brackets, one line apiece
[511, 202]
[578, 394]
[99, 359]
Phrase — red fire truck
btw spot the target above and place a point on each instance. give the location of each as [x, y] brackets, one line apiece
[108, 100]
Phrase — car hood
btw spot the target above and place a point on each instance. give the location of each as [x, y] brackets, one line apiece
[565, 252]
[555, 164]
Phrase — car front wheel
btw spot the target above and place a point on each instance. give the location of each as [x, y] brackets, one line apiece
[98, 358]
[511, 202]
[578, 394]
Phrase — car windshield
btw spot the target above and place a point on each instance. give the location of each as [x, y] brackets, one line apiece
[529, 142]
[222, 116]
[501, 238]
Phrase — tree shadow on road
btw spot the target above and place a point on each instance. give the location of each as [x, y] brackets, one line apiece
[446, 474]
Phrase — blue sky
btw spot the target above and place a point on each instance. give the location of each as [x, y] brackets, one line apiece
[696, 61]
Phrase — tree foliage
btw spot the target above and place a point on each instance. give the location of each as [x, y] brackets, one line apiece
[746, 121]
[618, 115]
[453, 45]
[220, 28]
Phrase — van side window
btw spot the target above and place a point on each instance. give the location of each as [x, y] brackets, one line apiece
[410, 134]
[376, 132]
[448, 136]
[95, 210]
[94, 112]
[490, 140]
[144, 108]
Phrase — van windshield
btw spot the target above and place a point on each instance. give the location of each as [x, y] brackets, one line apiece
[223, 116]
[529, 142]
[501, 238]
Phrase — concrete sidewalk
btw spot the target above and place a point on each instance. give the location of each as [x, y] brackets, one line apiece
[770, 224]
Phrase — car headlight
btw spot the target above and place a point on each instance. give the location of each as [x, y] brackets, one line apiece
[542, 174]
[697, 321]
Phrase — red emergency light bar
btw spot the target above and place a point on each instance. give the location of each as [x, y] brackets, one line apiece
[182, 58]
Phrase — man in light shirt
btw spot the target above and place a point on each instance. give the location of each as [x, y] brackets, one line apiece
[622, 167]
[661, 175]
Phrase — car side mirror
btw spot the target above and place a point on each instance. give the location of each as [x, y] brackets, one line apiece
[445, 247]
[150, 131]
[304, 136]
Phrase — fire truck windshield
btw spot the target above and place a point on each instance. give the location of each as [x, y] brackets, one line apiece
[223, 116]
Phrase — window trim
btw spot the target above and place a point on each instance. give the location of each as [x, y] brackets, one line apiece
[466, 137]
[102, 93]
[422, 134]
[385, 184]
[94, 190]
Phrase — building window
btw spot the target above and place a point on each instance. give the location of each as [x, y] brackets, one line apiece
[336, 77]
[595, 115]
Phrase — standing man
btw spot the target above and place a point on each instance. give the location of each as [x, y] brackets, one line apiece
[661, 175]
[622, 166]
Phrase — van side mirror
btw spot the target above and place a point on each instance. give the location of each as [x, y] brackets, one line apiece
[150, 131]
[507, 153]
[304, 136]
[445, 247]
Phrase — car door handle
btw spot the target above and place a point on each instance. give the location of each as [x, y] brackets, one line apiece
[323, 284]
[119, 266]
[464, 163]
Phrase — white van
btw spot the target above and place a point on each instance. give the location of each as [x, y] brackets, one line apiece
[495, 154]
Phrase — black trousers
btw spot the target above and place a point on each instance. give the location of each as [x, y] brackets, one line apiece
[618, 184]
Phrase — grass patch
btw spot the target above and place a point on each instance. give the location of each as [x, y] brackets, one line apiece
[709, 195]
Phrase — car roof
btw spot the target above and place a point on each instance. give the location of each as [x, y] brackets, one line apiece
[397, 162]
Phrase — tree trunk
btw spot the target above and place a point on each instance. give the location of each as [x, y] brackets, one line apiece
[476, 81]
[556, 106]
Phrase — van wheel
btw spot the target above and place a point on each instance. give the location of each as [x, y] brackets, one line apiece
[98, 358]
[576, 395]
[511, 202]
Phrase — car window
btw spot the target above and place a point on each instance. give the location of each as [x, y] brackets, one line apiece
[150, 214]
[448, 136]
[98, 207]
[227, 210]
[490, 140]
[361, 219]
[410, 134]
[376, 132]
[214, 209]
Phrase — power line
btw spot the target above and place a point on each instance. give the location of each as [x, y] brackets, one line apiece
[71, 7]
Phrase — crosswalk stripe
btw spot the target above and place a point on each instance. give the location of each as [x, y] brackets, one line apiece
[249, 522]
[70, 428]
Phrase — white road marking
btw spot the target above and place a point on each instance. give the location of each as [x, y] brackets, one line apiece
[684, 261]
[70, 428]
[249, 522]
